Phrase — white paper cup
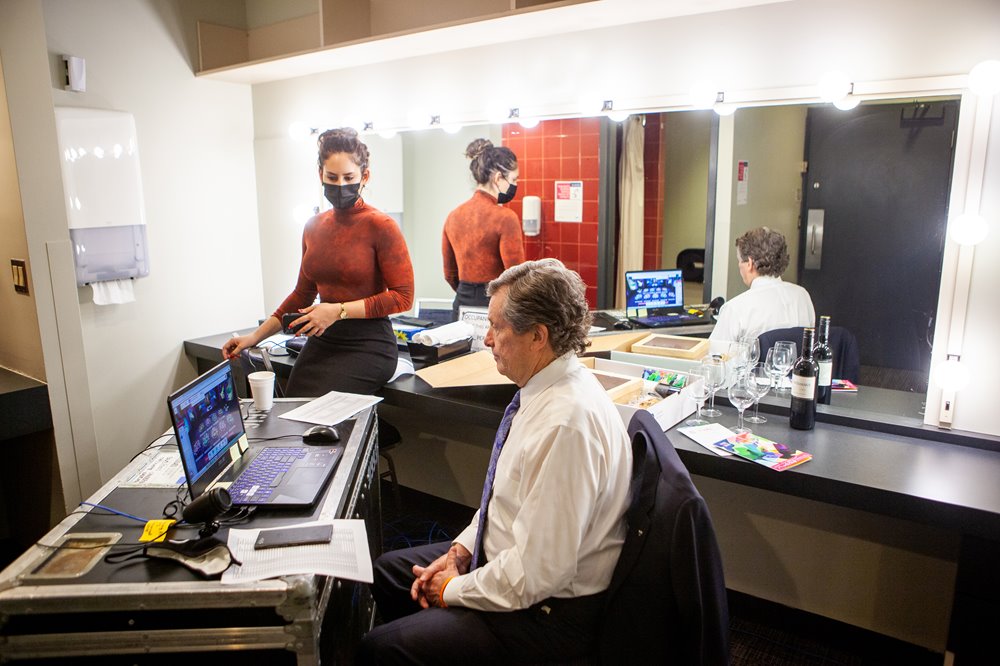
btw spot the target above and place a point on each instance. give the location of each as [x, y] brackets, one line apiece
[262, 389]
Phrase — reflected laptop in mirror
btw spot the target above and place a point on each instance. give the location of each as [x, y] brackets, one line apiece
[655, 299]
[212, 439]
[437, 310]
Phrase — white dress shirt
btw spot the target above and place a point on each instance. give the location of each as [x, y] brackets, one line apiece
[555, 523]
[769, 303]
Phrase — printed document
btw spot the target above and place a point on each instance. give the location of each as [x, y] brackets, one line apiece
[346, 556]
[331, 409]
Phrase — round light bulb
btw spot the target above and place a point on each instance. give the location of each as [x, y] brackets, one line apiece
[387, 134]
[301, 213]
[984, 79]
[847, 102]
[451, 128]
[299, 131]
[833, 86]
[968, 229]
[951, 375]
[724, 109]
[528, 123]
[618, 116]
[703, 94]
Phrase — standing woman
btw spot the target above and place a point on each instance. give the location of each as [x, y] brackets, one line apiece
[481, 240]
[355, 258]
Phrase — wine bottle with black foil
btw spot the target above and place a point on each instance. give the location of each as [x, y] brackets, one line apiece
[805, 372]
[824, 358]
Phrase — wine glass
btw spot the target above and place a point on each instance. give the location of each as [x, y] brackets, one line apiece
[715, 376]
[742, 393]
[784, 356]
[753, 347]
[762, 381]
[739, 356]
[698, 390]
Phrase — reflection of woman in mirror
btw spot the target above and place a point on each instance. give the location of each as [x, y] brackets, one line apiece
[355, 258]
[482, 239]
[770, 303]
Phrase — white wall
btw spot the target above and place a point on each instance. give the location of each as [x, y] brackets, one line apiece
[196, 147]
[686, 139]
[20, 341]
[772, 140]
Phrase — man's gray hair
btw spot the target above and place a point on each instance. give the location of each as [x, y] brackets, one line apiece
[767, 248]
[546, 292]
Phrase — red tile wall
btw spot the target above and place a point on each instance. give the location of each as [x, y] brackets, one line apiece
[653, 199]
[560, 150]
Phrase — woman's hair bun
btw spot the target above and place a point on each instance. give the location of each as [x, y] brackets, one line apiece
[477, 147]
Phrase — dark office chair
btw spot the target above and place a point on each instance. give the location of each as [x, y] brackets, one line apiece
[846, 356]
[667, 599]
[388, 439]
[692, 264]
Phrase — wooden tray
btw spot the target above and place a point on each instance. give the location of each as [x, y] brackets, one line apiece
[617, 385]
[677, 346]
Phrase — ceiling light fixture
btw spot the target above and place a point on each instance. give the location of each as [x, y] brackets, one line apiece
[984, 78]
[968, 229]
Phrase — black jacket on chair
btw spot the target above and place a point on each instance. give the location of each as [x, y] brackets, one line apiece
[846, 355]
[667, 598]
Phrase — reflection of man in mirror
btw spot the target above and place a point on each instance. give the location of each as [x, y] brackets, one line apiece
[481, 239]
[770, 302]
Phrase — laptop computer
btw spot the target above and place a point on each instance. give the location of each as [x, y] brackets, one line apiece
[655, 299]
[212, 439]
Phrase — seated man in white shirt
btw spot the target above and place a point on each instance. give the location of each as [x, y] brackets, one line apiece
[525, 581]
[770, 303]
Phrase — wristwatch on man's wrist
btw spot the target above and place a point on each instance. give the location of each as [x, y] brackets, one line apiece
[343, 311]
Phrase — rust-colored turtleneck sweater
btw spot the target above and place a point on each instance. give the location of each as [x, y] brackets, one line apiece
[480, 240]
[353, 254]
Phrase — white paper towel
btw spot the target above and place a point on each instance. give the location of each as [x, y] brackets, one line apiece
[443, 335]
[113, 291]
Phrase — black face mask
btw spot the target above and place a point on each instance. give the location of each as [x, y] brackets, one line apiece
[504, 197]
[342, 196]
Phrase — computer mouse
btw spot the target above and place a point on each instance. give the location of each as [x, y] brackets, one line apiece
[624, 325]
[321, 434]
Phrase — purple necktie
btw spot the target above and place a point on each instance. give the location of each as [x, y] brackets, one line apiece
[491, 473]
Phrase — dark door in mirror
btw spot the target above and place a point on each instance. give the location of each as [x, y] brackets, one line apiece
[873, 225]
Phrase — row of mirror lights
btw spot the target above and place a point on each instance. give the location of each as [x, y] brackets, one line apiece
[835, 87]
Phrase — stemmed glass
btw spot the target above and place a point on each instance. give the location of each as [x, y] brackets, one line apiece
[753, 347]
[762, 381]
[742, 393]
[781, 358]
[739, 356]
[715, 377]
[698, 390]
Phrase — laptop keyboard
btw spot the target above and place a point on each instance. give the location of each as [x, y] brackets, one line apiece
[264, 474]
[667, 320]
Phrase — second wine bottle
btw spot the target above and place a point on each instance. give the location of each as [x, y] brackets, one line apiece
[805, 372]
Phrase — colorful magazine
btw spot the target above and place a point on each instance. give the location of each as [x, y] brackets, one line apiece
[845, 385]
[763, 451]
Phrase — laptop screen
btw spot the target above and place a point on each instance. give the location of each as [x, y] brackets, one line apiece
[208, 424]
[652, 290]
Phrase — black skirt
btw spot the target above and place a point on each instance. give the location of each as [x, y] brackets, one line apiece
[352, 356]
[469, 294]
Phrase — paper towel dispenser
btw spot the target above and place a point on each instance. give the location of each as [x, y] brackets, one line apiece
[103, 193]
[531, 215]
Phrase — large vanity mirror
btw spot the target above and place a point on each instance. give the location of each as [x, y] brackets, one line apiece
[861, 196]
